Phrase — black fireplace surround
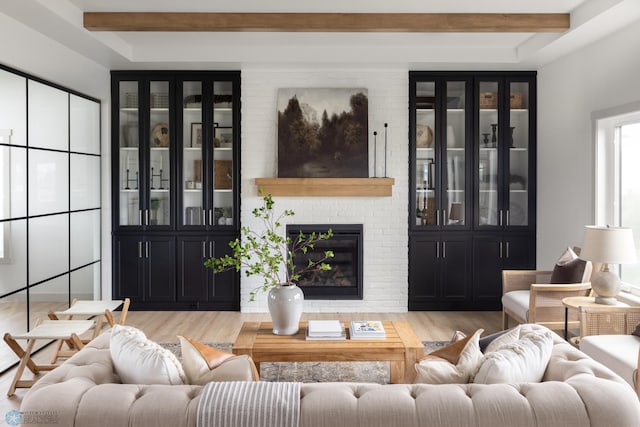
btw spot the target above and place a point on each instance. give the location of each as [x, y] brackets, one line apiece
[344, 280]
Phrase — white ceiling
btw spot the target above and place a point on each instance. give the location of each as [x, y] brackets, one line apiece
[61, 20]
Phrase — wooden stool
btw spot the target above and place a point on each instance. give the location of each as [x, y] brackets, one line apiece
[46, 330]
[100, 309]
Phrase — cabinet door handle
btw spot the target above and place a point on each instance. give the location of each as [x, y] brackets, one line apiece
[500, 250]
[139, 249]
[437, 250]
[508, 223]
[146, 216]
[147, 249]
[140, 216]
[444, 250]
[211, 217]
[204, 217]
[438, 217]
[500, 217]
[204, 249]
[210, 249]
[507, 249]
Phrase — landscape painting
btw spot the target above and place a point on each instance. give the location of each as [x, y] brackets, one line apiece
[323, 133]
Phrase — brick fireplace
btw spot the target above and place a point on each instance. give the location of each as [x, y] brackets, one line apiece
[384, 219]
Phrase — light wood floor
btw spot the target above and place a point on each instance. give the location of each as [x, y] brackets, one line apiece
[217, 326]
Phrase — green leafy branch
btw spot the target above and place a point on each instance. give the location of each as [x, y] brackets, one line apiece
[269, 254]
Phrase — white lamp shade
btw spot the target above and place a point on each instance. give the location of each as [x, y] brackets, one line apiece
[609, 245]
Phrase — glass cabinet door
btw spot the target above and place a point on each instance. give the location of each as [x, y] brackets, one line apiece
[518, 138]
[222, 193]
[129, 147]
[453, 213]
[159, 172]
[192, 154]
[426, 172]
[489, 143]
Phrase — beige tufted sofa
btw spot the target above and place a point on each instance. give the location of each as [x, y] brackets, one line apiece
[576, 391]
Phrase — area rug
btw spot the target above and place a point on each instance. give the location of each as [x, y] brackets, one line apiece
[309, 372]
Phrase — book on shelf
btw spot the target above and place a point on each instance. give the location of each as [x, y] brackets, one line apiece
[366, 329]
[325, 329]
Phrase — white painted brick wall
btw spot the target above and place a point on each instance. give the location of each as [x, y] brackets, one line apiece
[384, 218]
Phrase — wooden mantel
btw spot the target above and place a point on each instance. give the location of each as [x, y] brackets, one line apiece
[331, 187]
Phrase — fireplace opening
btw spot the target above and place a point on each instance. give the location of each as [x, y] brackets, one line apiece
[344, 280]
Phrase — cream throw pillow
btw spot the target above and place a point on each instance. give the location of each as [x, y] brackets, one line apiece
[508, 337]
[522, 361]
[138, 360]
[435, 369]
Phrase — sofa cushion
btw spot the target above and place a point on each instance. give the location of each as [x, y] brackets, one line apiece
[438, 367]
[568, 269]
[138, 360]
[623, 361]
[518, 303]
[203, 364]
[522, 361]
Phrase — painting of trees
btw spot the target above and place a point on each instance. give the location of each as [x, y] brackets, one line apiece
[322, 133]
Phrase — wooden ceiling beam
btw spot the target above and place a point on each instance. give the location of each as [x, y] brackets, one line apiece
[328, 22]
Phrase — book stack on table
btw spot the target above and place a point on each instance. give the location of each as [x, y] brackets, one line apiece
[325, 330]
[366, 330]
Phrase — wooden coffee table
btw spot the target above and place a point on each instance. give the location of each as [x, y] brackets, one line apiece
[401, 348]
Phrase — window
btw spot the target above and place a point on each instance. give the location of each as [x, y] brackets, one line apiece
[5, 203]
[627, 144]
[618, 181]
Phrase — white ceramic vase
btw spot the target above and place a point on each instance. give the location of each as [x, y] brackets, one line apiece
[285, 305]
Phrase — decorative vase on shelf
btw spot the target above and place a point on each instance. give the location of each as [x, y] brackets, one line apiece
[494, 138]
[285, 306]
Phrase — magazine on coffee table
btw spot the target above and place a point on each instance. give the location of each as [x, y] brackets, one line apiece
[366, 330]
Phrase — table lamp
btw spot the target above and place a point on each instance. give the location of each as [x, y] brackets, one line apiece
[456, 213]
[607, 245]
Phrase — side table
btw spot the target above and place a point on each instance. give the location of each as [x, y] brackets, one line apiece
[577, 302]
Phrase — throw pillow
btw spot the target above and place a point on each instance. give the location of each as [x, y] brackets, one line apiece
[636, 331]
[457, 336]
[198, 359]
[486, 340]
[138, 360]
[508, 337]
[522, 361]
[204, 364]
[453, 364]
[568, 269]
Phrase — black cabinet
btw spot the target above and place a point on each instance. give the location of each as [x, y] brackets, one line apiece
[440, 270]
[198, 285]
[493, 253]
[145, 268]
[472, 185]
[176, 157]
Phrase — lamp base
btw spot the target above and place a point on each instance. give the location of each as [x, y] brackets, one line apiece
[606, 285]
[606, 300]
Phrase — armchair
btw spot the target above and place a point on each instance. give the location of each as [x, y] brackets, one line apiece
[529, 297]
[606, 336]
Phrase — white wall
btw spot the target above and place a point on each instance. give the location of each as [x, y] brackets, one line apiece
[27, 50]
[600, 76]
[384, 218]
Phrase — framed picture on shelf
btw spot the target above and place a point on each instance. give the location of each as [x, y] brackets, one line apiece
[196, 135]
[223, 137]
